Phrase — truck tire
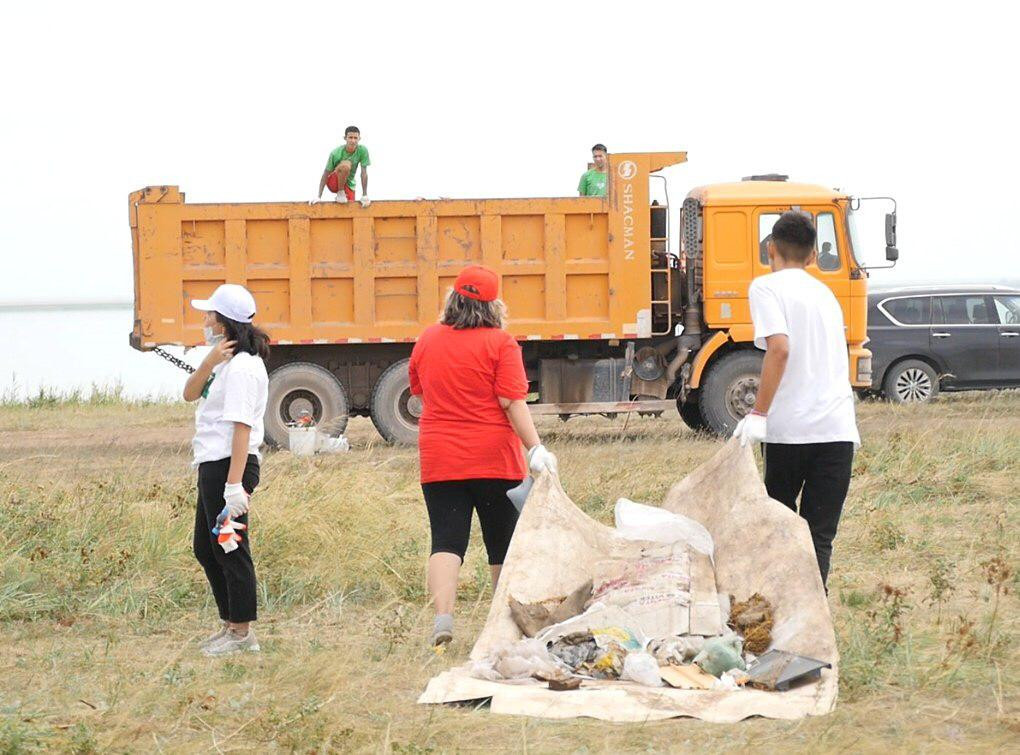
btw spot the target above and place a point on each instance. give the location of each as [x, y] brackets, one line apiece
[395, 411]
[690, 413]
[304, 387]
[729, 390]
[911, 382]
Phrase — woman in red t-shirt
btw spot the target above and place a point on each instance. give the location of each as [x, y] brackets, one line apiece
[470, 375]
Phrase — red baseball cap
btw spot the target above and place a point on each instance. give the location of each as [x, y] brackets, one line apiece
[477, 282]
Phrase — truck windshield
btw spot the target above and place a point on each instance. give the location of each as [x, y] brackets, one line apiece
[855, 237]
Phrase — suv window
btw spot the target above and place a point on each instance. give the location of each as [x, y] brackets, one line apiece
[915, 310]
[765, 223]
[828, 250]
[962, 310]
[1008, 308]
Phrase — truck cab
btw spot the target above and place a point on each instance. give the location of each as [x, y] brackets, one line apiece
[725, 229]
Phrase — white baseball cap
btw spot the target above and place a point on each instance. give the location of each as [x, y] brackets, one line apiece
[230, 300]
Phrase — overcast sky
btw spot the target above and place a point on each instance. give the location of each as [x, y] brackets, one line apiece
[242, 102]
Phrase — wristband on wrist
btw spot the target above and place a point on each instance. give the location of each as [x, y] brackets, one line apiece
[756, 413]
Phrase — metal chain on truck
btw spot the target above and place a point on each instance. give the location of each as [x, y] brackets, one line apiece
[174, 360]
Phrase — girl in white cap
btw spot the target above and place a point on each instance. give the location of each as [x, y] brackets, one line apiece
[231, 386]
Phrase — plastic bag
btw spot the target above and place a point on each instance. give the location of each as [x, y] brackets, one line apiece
[721, 654]
[726, 683]
[635, 521]
[517, 660]
[608, 663]
[641, 668]
[626, 639]
[574, 654]
[326, 444]
[484, 670]
[676, 650]
[519, 494]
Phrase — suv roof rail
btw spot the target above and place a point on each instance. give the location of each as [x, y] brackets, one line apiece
[954, 288]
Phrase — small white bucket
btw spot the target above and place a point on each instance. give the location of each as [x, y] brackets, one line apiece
[301, 440]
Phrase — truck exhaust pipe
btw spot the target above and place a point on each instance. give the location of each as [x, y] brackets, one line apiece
[688, 342]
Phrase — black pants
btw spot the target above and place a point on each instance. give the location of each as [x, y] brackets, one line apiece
[450, 504]
[820, 474]
[231, 575]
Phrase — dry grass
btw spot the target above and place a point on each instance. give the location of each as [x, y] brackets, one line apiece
[101, 602]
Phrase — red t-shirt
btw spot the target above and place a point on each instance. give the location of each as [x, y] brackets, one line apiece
[463, 432]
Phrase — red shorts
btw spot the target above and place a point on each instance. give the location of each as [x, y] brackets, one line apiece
[333, 184]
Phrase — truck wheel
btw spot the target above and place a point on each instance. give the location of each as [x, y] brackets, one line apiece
[690, 412]
[911, 382]
[729, 390]
[395, 412]
[301, 387]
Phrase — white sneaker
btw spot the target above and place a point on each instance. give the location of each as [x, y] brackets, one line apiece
[341, 198]
[230, 643]
[214, 637]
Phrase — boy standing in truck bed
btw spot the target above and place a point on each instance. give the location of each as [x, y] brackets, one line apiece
[593, 182]
[804, 412]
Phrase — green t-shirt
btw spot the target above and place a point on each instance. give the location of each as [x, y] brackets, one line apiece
[593, 184]
[356, 158]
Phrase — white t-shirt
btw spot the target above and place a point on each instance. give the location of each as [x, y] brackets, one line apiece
[814, 402]
[237, 393]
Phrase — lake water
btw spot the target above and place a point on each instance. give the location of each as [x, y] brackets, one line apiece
[64, 349]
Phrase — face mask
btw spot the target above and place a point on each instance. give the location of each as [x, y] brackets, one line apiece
[212, 337]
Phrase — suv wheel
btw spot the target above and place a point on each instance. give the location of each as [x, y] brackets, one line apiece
[911, 382]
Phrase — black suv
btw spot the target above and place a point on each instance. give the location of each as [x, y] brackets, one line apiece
[943, 338]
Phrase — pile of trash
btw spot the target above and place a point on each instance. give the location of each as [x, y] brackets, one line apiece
[649, 615]
[708, 606]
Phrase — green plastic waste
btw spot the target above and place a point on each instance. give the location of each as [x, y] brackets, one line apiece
[721, 654]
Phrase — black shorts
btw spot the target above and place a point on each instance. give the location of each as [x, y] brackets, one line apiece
[450, 504]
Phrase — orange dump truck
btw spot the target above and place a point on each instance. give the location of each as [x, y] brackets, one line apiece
[609, 317]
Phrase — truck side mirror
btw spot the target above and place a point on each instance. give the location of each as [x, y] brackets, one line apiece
[891, 252]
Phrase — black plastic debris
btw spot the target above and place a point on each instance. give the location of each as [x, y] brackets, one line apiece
[778, 669]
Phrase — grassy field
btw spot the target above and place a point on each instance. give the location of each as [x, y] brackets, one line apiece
[101, 602]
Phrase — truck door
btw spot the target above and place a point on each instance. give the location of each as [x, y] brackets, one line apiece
[965, 335]
[1008, 308]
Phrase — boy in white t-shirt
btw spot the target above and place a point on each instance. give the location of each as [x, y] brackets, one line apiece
[804, 412]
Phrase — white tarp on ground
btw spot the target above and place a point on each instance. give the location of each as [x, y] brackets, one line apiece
[760, 546]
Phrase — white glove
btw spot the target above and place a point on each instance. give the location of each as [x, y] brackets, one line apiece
[541, 459]
[236, 499]
[365, 201]
[315, 201]
[341, 197]
[751, 429]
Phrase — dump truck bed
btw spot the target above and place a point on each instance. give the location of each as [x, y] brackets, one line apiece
[339, 273]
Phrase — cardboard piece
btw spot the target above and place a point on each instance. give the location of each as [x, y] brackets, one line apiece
[686, 677]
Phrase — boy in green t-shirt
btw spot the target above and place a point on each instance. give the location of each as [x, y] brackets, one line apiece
[341, 166]
[593, 183]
